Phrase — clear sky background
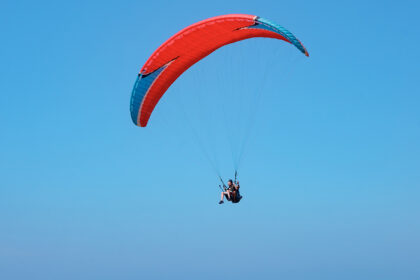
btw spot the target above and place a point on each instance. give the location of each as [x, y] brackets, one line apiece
[331, 180]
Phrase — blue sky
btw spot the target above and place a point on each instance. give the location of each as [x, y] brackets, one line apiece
[331, 179]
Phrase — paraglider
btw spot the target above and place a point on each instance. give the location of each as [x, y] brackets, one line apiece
[190, 45]
[187, 47]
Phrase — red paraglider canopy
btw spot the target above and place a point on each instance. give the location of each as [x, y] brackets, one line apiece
[190, 45]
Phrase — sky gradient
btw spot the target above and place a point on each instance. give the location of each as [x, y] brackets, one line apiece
[331, 180]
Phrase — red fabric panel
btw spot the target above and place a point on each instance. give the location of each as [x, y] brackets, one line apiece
[190, 45]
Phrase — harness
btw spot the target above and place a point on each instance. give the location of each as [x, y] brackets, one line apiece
[224, 188]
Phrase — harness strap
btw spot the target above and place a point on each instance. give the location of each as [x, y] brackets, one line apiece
[223, 183]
